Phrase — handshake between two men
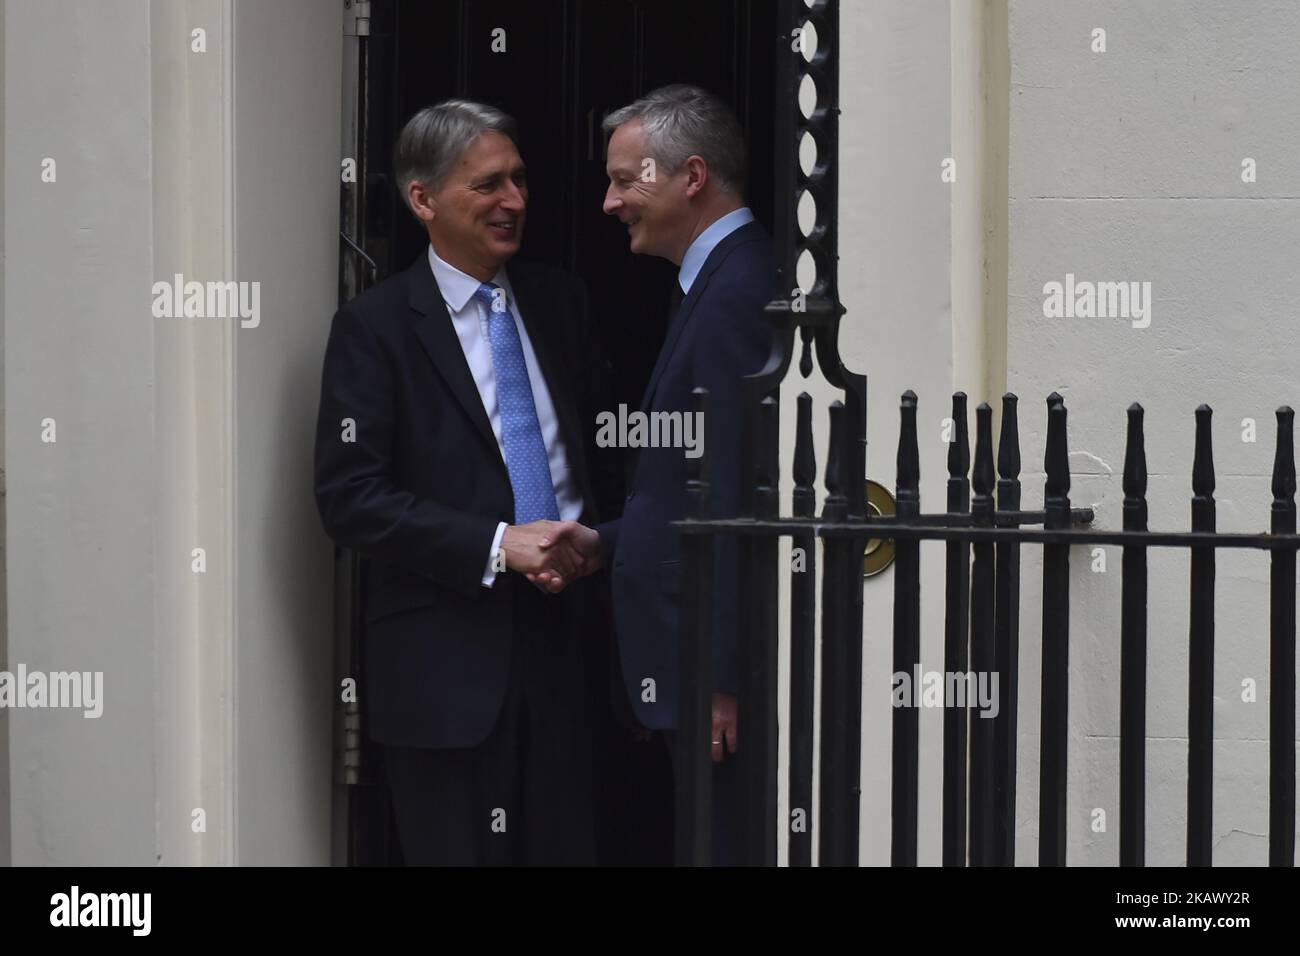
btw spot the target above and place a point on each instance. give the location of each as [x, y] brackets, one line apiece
[552, 554]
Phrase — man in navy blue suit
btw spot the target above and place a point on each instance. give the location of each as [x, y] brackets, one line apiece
[454, 445]
[676, 166]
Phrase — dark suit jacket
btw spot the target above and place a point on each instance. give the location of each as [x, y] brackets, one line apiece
[423, 485]
[719, 335]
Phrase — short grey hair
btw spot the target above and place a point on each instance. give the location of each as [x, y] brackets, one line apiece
[435, 138]
[681, 121]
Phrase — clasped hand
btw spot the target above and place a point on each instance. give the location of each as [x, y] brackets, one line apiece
[552, 554]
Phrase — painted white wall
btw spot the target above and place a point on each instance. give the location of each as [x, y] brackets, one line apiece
[79, 342]
[1126, 165]
[288, 96]
[4, 537]
[173, 434]
[192, 361]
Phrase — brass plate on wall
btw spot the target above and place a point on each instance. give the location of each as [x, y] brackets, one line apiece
[880, 551]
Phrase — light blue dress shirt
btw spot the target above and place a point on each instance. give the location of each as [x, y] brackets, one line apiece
[705, 242]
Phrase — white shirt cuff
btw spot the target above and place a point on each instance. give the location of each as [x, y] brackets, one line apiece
[489, 573]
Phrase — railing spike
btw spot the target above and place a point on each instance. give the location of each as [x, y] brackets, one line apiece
[1135, 455]
[805, 457]
[1203, 457]
[959, 447]
[982, 476]
[1284, 483]
[1056, 458]
[1009, 442]
[908, 475]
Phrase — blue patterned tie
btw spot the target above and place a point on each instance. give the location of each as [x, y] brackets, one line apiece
[530, 470]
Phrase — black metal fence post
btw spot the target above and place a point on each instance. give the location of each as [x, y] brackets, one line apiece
[803, 640]
[1200, 676]
[956, 641]
[904, 779]
[841, 726]
[758, 654]
[1056, 642]
[1281, 694]
[1133, 653]
[1007, 639]
[983, 652]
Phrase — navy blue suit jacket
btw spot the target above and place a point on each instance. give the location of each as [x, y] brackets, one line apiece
[719, 335]
[423, 485]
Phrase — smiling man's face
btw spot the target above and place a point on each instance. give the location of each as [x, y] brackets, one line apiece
[654, 209]
[479, 211]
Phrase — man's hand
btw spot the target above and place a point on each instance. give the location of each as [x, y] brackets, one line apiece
[536, 550]
[583, 541]
[724, 726]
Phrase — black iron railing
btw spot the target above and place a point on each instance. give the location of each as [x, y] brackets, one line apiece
[982, 601]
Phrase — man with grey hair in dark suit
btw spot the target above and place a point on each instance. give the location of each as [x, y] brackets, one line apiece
[455, 432]
[677, 170]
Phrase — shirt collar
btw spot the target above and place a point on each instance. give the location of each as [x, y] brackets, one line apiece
[457, 287]
[705, 242]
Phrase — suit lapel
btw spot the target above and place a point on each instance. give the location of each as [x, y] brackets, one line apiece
[670, 340]
[432, 325]
[683, 317]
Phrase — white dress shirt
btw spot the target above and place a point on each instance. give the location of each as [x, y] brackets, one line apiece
[470, 319]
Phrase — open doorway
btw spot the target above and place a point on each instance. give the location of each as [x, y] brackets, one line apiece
[558, 67]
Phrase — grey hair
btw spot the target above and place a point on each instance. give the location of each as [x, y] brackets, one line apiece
[434, 139]
[681, 121]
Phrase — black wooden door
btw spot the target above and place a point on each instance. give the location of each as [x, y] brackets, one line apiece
[565, 65]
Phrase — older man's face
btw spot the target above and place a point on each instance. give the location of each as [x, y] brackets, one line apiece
[654, 208]
[479, 210]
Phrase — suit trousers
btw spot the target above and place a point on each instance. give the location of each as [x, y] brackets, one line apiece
[523, 795]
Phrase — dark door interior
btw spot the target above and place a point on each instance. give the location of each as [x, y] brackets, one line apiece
[566, 64]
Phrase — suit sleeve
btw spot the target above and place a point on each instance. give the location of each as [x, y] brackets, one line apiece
[734, 343]
[608, 531]
[359, 504]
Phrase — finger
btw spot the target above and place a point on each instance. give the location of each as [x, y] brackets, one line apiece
[561, 532]
[716, 739]
[564, 561]
[730, 736]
